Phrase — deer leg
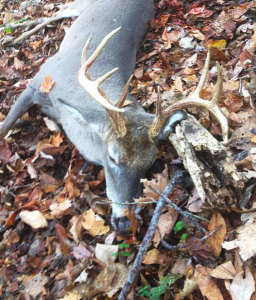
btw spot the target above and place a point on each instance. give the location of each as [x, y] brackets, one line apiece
[23, 103]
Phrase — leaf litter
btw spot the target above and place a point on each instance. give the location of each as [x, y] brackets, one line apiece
[56, 226]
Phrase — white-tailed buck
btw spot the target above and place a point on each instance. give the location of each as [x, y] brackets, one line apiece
[121, 139]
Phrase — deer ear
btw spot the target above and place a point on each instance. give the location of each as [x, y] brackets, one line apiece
[170, 125]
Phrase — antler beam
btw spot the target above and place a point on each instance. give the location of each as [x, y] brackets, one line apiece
[196, 100]
[92, 87]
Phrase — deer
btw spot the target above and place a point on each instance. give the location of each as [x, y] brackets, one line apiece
[92, 112]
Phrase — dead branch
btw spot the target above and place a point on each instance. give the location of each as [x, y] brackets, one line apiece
[67, 11]
[182, 246]
[177, 178]
[208, 162]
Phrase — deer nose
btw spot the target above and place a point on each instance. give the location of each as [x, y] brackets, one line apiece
[122, 225]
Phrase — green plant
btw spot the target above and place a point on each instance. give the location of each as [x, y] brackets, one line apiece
[164, 284]
[122, 253]
[178, 227]
[144, 292]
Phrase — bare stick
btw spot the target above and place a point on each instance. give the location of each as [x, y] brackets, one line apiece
[66, 12]
[178, 176]
[186, 245]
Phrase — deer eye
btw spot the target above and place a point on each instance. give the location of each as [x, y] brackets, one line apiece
[111, 158]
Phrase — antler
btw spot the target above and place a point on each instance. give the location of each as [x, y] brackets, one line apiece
[92, 87]
[196, 100]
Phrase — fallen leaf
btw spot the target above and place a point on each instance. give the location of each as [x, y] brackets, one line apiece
[80, 252]
[109, 281]
[61, 235]
[154, 256]
[233, 102]
[18, 64]
[31, 171]
[34, 219]
[57, 139]
[94, 223]
[198, 247]
[61, 209]
[246, 241]
[72, 295]
[165, 225]
[180, 266]
[242, 287]
[214, 242]
[35, 286]
[47, 85]
[207, 285]
[105, 253]
[76, 227]
[82, 277]
[5, 152]
[159, 183]
[224, 271]
[220, 44]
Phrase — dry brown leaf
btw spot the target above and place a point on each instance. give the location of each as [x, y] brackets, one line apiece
[159, 183]
[76, 227]
[154, 256]
[61, 209]
[94, 223]
[47, 85]
[246, 241]
[34, 218]
[165, 225]
[190, 285]
[214, 242]
[34, 286]
[72, 295]
[48, 183]
[71, 189]
[180, 266]
[224, 271]
[18, 64]
[207, 285]
[233, 102]
[242, 286]
[109, 281]
[57, 139]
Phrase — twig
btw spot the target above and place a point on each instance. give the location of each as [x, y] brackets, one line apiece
[8, 191]
[66, 12]
[186, 245]
[178, 176]
[189, 216]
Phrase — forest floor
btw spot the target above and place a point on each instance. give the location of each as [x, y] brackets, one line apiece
[56, 240]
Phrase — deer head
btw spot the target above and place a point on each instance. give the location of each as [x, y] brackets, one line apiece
[130, 139]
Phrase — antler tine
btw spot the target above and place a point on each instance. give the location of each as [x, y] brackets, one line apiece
[92, 86]
[159, 104]
[159, 120]
[196, 100]
[99, 49]
[85, 49]
[121, 100]
[204, 75]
